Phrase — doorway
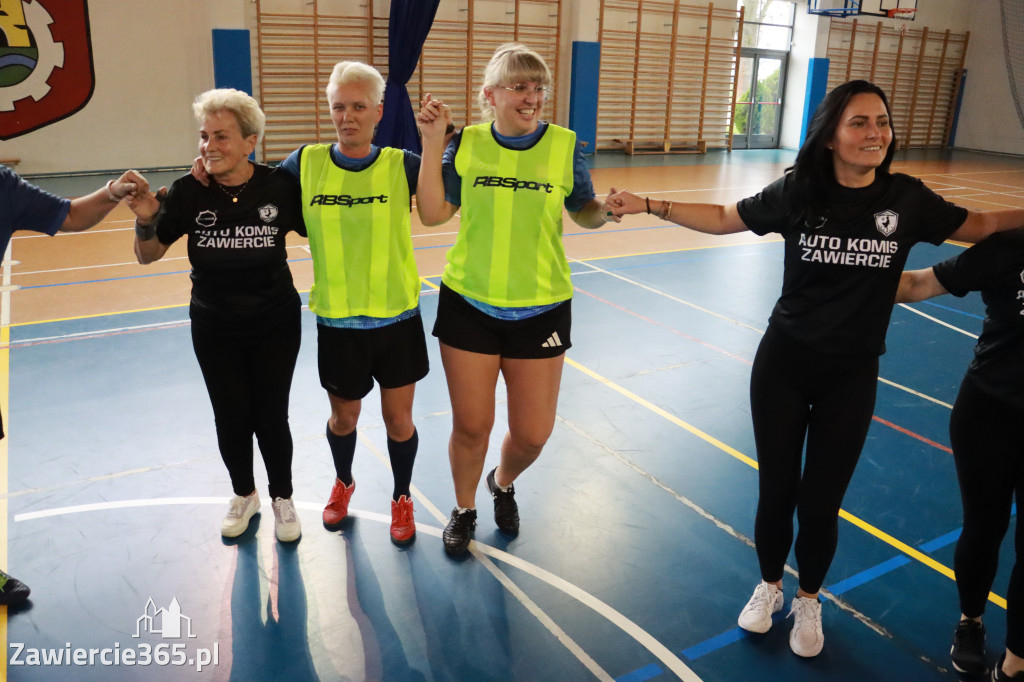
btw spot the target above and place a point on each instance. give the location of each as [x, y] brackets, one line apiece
[758, 112]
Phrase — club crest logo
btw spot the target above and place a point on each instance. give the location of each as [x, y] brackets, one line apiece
[46, 70]
[886, 222]
[268, 213]
[206, 219]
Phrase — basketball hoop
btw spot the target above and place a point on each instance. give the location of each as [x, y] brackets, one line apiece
[902, 15]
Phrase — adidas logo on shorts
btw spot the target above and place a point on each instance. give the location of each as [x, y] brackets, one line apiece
[552, 342]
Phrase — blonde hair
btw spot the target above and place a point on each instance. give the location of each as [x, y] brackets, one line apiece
[512, 63]
[251, 119]
[345, 73]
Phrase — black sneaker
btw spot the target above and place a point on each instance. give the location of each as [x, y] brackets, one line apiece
[459, 531]
[968, 650]
[998, 675]
[506, 511]
[12, 590]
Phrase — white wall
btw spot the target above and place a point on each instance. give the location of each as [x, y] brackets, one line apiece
[810, 40]
[988, 118]
[151, 61]
[151, 58]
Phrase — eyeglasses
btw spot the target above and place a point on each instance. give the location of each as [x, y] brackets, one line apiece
[523, 88]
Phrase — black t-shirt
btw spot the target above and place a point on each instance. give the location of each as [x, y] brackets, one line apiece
[995, 267]
[240, 276]
[842, 269]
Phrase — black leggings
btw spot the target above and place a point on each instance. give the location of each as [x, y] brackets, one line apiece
[249, 379]
[987, 435]
[797, 392]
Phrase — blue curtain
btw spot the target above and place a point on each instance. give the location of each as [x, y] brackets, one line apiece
[408, 27]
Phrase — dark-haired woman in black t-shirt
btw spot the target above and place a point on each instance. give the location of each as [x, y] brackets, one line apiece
[848, 224]
[986, 430]
[245, 309]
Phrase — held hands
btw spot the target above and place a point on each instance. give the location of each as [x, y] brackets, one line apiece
[608, 214]
[146, 205]
[129, 184]
[622, 202]
[433, 118]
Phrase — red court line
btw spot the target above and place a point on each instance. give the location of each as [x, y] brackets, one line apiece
[912, 434]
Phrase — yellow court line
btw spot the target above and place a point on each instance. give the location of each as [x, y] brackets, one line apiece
[662, 413]
[860, 523]
[89, 317]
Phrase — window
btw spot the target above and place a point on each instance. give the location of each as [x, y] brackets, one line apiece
[767, 24]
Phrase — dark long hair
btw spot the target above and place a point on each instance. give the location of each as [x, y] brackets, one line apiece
[813, 170]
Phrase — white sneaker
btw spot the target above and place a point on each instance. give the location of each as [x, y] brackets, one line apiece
[806, 638]
[286, 521]
[756, 616]
[240, 510]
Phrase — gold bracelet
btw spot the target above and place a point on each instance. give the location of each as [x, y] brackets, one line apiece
[666, 210]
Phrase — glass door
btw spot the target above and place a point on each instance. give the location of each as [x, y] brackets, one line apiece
[759, 91]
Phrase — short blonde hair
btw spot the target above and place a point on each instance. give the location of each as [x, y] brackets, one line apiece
[251, 119]
[345, 73]
[512, 63]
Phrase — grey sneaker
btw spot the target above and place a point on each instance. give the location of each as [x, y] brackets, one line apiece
[286, 521]
[240, 510]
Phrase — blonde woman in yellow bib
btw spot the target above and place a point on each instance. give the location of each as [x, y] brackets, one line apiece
[505, 302]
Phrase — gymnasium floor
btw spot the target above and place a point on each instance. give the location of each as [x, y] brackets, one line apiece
[635, 553]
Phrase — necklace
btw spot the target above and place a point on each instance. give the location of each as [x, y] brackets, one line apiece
[234, 197]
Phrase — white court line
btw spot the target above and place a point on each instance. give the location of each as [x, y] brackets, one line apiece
[961, 178]
[913, 392]
[98, 332]
[670, 660]
[980, 201]
[937, 320]
[302, 247]
[479, 550]
[666, 295]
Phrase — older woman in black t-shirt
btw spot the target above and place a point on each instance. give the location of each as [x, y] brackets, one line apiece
[245, 309]
[848, 224]
[986, 430]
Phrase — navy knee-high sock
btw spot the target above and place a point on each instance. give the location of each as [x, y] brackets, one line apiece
[403, 454]
[343, 450]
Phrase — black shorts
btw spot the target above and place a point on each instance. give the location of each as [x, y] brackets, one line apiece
[462, 326]
[350, 359]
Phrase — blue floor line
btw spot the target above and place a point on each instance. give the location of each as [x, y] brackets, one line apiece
[952, 310]
[98, 281]
[735, 634]
[645, 673]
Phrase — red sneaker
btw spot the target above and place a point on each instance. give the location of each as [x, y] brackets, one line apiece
[336, 510]
[403, 525]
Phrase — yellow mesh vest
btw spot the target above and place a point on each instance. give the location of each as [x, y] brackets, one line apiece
[359, 235]
[509, 248]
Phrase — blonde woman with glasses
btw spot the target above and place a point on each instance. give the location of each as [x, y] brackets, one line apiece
[506, 296]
